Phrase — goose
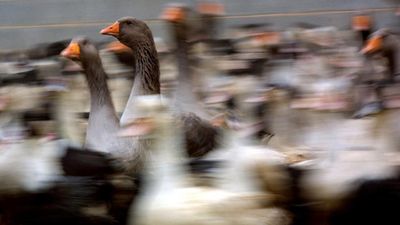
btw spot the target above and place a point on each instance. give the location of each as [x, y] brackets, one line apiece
[37, 52]
[168, 197]
[374, 202]
[209, 12]
[136, 35]
[45, 50]
[250, 166]
[103, 124]
[325, 188]
[47, 181]
[387, 45]
[13, 107]
[185, 100]
[46, 156]
[36, 167]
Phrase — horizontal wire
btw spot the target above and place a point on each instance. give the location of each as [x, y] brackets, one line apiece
[259, 15]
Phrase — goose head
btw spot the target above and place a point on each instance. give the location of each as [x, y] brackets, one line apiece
[375, 42]
[80, 49]
[129, 31]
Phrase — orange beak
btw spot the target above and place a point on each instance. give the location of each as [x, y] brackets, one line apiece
[173, 14]
[112, 30]
[117, 47]
[373, 44]
[72, 51]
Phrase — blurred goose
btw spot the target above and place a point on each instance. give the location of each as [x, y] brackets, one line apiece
[186, 102]
[46, 182]
[185, 99]
[250, 166]
[387, 43]
[326, 184]
[168, 198]
[209, 12]
[375, 201]
[13, 107]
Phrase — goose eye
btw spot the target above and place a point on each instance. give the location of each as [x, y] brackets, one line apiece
[84, 42]
[129, 22]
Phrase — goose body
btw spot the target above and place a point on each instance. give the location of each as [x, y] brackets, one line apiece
[168, 197]
[185, 99]
[44, 182]
[332, 185]
[374, 201]
[250, 166]
[337, 179]
[103, 123]
[34, 163]
[386, 44]
[201, 136]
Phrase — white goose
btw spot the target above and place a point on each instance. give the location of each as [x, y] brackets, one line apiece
[169, 199]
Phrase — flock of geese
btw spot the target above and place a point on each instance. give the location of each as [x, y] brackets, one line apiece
[136, 169]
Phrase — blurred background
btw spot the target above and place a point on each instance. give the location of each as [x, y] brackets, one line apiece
[311, 83]
[27, 22]
[304, 42]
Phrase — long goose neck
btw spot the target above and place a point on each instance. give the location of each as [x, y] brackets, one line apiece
[97, 81]
[182, 51]
[185, 99]
[392, 52]
[102, 116]
[147, 78]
